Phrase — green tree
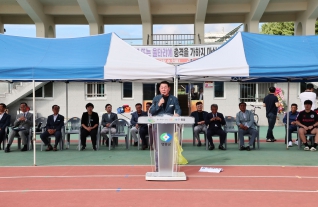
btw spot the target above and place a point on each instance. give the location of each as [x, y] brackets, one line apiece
[281, 28]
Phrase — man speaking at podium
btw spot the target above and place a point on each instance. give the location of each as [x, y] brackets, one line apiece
[165, 103]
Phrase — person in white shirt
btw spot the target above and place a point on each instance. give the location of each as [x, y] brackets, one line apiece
[200, 95]
[308, 94]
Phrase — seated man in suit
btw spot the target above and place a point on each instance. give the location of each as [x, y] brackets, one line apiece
[292, 123]
[199, 123]
[89, 123]
[246, 124]
[23, 123]
[54, 125]
[107, 119]
[165, 103]
[143, 128]
[215, 120]
[4, 122]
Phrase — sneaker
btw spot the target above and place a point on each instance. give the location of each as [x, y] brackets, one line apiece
[306, 148]
[312, 149]
[296, 142]
[290, 144]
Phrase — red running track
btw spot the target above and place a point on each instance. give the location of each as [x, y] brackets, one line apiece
[126, 186]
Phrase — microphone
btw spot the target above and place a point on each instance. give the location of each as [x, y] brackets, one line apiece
[162, 97]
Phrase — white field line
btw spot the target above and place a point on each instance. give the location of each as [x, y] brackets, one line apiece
[143, 175]
[154, 190]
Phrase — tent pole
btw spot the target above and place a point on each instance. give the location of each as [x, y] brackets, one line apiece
[176, 83]
[34, 133]
[66, 101]
[66, 114]
[287, 111]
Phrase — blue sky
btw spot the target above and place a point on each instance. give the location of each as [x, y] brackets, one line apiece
[123, 31]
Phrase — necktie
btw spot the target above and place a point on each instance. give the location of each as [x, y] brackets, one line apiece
[24, 115]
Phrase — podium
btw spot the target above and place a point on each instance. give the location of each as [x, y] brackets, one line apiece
[164, 128]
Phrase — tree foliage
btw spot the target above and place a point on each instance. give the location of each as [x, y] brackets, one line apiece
[281, 28]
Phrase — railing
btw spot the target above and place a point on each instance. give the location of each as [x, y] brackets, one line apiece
[6, 87]
[173, 39]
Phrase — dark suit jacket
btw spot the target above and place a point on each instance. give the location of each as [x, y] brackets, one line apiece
[94, 119]
[57, 124]
[134, 118]
[172, 105]
[214, 124]
[106, 120]
[195, 114]
[5, 121]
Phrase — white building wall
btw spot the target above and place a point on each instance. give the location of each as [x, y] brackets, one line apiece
[77, 101]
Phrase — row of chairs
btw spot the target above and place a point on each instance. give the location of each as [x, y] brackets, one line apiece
[73, 126]
[230, 127]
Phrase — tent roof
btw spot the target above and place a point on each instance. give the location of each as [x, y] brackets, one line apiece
[258, 57]
[100, 57]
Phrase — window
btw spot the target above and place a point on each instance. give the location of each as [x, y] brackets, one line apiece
[149, 91]
[218, 89]
[95, 90]
[302, 86]
[45, 91]
[127, 90]
[254, 92]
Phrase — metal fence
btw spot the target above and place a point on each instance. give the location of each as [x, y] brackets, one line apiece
[173, 39]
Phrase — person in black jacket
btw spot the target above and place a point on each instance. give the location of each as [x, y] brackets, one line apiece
[90, 121]
[199, 121]
[215, 120]
[4, 122]
[54, 124]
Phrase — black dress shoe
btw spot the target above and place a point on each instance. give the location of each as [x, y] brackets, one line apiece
[49, 148]
[199, 144]
[211, 147]
[25, 148]
[7, 150]
[94, 148]
[135, 144]
[242, 148]
[248, 148]
[221, 147]
[83, 148]
[274, 140]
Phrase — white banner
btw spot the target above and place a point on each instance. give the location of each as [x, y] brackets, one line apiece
[177, 54]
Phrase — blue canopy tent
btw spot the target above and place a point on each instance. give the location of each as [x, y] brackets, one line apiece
[95, 58]
[258, 58]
